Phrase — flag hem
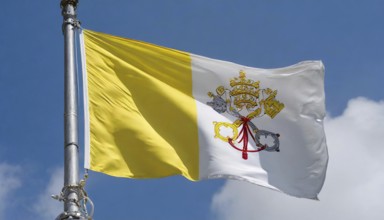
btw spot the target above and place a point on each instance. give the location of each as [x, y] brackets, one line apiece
[85, 101]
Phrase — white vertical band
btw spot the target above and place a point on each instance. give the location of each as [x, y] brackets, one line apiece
[85, 101]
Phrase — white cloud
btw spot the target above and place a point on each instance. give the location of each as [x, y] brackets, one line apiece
[354, 186]
[9, 181]
[46, 207]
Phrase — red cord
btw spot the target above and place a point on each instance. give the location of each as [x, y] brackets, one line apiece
[244, 132]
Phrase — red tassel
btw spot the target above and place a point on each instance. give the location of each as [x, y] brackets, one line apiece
[245, 155]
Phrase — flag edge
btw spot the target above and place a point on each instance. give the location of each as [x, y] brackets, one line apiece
[85, 102]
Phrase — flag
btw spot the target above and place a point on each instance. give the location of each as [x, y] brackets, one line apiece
[152, 112]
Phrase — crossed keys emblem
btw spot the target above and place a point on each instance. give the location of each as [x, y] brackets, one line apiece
[245, 100]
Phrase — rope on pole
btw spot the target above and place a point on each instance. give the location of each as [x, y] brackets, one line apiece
[82, 201]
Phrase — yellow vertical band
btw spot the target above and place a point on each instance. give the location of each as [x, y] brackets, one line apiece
[143, 120]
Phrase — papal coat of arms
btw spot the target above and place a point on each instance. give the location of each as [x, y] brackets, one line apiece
[245, 100]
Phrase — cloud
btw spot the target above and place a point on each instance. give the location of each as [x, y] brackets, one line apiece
[46, 207]
[9, 181]
[355, 179]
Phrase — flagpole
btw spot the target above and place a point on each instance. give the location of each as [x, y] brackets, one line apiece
[71, 158]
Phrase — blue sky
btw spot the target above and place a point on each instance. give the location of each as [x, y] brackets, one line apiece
[346, 35]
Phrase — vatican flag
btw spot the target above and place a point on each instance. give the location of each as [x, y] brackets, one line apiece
[153, 112]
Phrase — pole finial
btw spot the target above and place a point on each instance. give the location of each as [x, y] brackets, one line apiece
[64, 3]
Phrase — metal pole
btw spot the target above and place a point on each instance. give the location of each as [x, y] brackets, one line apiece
[71, 158]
